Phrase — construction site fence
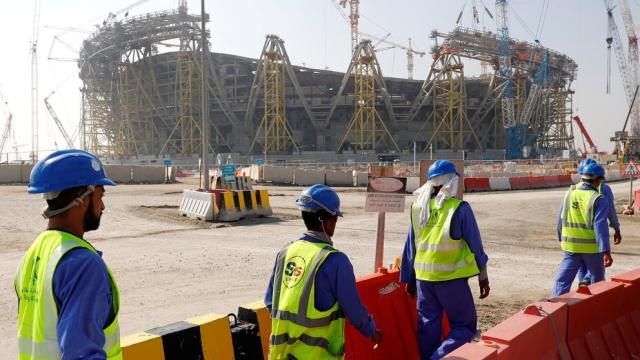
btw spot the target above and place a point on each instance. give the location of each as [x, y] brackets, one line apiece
[123, 174]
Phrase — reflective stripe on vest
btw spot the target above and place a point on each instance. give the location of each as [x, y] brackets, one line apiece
[38, 313]
[298, 328]
[438, 257]
[578, 235]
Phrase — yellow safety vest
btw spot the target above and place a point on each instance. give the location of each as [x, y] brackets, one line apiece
[578, 235]
[438, 256]
[37, 310]
[297, 327]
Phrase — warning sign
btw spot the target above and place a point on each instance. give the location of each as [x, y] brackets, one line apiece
[386, 194]
[631, 169]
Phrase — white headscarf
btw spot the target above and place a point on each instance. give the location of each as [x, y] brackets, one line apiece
[449, 183]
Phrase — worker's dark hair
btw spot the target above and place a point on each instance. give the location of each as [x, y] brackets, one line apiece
[313, 220]
[65, 197]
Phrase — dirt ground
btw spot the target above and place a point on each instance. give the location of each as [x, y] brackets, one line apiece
[171, 268]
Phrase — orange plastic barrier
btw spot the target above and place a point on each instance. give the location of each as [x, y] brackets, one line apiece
[537, 332]
[552, 181]
[537, 182]
[395, 314]
[519, 183]
[629, 323]
[565, 180]
[476, 184]
[477, 351]
[592, 331]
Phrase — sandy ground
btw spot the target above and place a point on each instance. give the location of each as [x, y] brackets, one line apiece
[171, 268]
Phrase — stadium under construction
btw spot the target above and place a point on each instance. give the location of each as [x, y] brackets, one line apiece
[142, 97]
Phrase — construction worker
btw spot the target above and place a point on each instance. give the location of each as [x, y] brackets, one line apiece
[583, 230]
[584, 278]
[443, 250]
[312, 287]
[68, 298]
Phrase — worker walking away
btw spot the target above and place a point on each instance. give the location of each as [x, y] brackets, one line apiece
[584, 277]
[312, 287]
[68, 298]
[443, 250]
[583, 231]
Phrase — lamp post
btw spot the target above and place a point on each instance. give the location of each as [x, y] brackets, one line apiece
[205, 111]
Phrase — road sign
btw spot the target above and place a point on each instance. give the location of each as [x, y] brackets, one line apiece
[167, 162]
[386, 194]
[228, 173]
[631, 169]
[259, 161]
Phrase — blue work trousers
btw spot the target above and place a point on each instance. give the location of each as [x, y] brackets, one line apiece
[569, 266]
[455, 299]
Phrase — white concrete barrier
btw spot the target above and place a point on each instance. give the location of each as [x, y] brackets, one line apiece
[148, 174]
[277, 174]
[118, 173]
[11, 173]
[197, 205]
[499, 183]
[25, 173]
[362, 179]
[339, 178]
[308, 177]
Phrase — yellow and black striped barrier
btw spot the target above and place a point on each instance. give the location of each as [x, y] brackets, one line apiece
[234, 205]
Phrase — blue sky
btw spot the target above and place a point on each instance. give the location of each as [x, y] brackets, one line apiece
[316, 35]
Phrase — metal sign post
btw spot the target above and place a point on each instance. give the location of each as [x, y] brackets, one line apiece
[632, 171]
[385, 193]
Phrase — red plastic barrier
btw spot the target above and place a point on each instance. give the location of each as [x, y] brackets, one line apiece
[476, 351]
[552, 181]
[476, 184]
[636, 203]
[537, 332]
[592, 331]
[629, 323]
[395, 314]
[519, 183]
[537, 182]
[565, 180]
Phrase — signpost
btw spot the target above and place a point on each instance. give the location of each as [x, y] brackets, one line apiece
[167, 165]
[632, 171]
[259, 162]
[385, 193]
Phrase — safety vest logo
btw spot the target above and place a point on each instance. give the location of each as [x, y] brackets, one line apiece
[575, 205]
[294, 271]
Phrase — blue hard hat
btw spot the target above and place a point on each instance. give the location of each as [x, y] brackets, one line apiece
[593, 171]
[67, 169]
[441, 167]
[584, 163]
[319, 197]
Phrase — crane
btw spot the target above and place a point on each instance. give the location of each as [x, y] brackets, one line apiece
[34, 81]
[410, 50]
[593, 149]
[513, 138]
[354, 19]
[535, 92]
[6, 131]
[53, 114]
[125, 10]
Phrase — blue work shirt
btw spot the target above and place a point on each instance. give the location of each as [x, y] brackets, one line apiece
[613, 216]
[463, 226]
[335, 281]
[82, 292]
[600, 225]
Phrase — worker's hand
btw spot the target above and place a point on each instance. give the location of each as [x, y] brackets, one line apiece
[608, 260]
[484, 288]
[617, 237]
[411, 289]
[377, 338]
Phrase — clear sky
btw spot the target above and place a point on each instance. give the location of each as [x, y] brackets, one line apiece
[316, 35]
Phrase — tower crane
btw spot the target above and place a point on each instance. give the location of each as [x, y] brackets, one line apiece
[6, 131]
[593, 149]
[34, 81]
[410, 51]
[354, 19]
[513, 132]
[53, 114]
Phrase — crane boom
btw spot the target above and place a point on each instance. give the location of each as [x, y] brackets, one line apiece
[583, 130]
[53, 114]
[514, 141]
[613, 36]
[34, 81]
[536, 90]
[5, 133]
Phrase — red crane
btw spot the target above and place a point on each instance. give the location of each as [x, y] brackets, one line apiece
[593, 149]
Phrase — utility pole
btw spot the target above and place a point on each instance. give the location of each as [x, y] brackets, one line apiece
[205, 111]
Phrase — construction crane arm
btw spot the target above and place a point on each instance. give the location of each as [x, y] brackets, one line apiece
[5, 133]
[584, 132]
[53, 114]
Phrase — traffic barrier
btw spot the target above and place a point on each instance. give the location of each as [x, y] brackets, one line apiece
[542, 323]
[119, 173]
[476, 184]
[499, 183]
[228, 203]
[250, 202]
[148, 174]
[198, 205]
[11, 173]
[592, 331]
[629, 322]
[206, 337]
[308, 177]
[263, 206]
[636, 201]
[339, 178]
[537, 182]
[257, 314]
[277, 174]
[413, 183]
[240, 183]
[567, 180]
[484, 350]
[362, 179]
[519, 183]
[552, 181]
